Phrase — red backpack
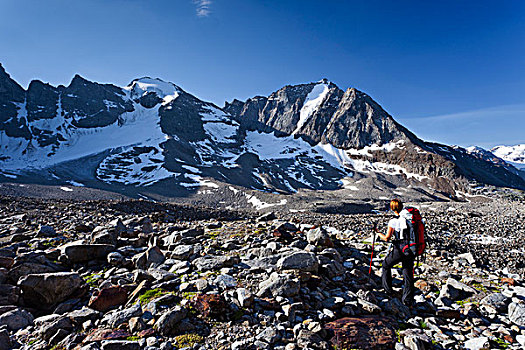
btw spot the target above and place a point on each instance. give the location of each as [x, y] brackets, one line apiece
[414, 235]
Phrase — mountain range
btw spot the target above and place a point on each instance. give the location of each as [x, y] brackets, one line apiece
[151, 138]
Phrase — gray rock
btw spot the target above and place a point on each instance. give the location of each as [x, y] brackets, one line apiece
[48, 330]
[466, 256]
[46, 289]
[279, 285]
[302, 261]
[213, 262]
[269, 335]
[497, 301]
[115, 258]
[182, 252]
[16, 319]
[245, 297]
[167, 323]
[517, 313]
[151, 257]
[319, 237]
[118, 317]
[455, 290]
[120, 345]
[46, 231]
[5, 341]
[80, 253]
[478, 343]
[225, 281]
[9, 294]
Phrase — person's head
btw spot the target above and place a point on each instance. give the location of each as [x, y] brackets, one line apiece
[396, 205]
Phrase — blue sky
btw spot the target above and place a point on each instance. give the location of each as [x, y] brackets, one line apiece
[451, 71]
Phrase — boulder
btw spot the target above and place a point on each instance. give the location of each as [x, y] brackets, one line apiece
[214, 262]
[151, 257]
[81, 253]
[279, 285]
[479, 343]
[367, 332]
[497, 301]
[46, 231]
[16, 319]
[47, 289]
[455, 290]
[517, 313]
[166, 324]
[108, 298]
[182, 252]
[9, 294]
[5, 341]
[302, 261]
[120, 345]
[319, 237]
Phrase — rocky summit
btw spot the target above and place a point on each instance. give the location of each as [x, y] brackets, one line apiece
[137, 274]
[151, 139]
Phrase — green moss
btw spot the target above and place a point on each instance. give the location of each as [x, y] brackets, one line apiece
[479, 287]
[151, 294]
[133, 338]
[423, 324]
[188, 340]
[93, 278]
[188, 295]
[502, 344]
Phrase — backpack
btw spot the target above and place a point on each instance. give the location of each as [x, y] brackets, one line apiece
[413, 237]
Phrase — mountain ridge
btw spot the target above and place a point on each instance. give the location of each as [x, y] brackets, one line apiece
[153, 134]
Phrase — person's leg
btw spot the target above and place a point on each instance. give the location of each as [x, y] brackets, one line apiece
[408, 281]
[386, 276]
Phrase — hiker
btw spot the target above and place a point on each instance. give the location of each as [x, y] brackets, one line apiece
[396, 255]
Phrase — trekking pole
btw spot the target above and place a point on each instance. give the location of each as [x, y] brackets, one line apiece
[373, 246]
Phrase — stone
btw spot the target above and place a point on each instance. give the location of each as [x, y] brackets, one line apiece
[244, 296]
[78, 317]
[214, 262]
[47, 289]
[120, 345]
[151, 257]
[517, 313]
[211, 305]
[269, 335]
[497, 301]
[9, 294]
[166, 324]
[97, 335]
[225, 281]
[479, 343]
[16, 319]
[115, 259]
[302, 261]
[455, 290]
[5, 341]
[46, 231]
[319, 237]
[367, 332]
[108, 298]
[48, 330]
[466, 256]
[182, 252]
[6, 262]
[81, 253]
[118, 317]
[279, 285]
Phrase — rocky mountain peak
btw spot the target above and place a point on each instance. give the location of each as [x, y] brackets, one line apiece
[10, 89]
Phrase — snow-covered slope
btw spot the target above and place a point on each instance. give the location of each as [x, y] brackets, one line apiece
[515, 155]
[152, 134]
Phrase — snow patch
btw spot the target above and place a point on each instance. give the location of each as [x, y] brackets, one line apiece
[258, 204]
[314, 99]
[67, 189]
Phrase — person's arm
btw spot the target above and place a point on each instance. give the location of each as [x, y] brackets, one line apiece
[386, 237]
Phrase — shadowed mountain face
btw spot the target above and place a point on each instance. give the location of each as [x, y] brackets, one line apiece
[152, 134]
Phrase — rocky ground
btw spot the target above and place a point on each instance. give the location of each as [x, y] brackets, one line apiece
[142, 275]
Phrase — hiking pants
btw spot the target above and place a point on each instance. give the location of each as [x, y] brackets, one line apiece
[395, 256]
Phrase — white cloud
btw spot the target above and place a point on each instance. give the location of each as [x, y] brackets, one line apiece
[203, 7]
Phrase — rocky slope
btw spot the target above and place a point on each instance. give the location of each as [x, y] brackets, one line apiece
[144, 275]
[151, 138]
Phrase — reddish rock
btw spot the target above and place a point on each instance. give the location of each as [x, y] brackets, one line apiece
[509, 281]
[6, 262]
[210, 305]
[108, 298]
[106, 334]
[446, 313]
[368, 332]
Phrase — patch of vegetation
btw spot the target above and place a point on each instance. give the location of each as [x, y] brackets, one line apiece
[423, 324]
[212, 234]
[188, 295]
[133, 338]
[479, 287]
[238, 314]
[151, 294]
[467, 301]
[188, 340]
[502, 344]
[92, 279]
